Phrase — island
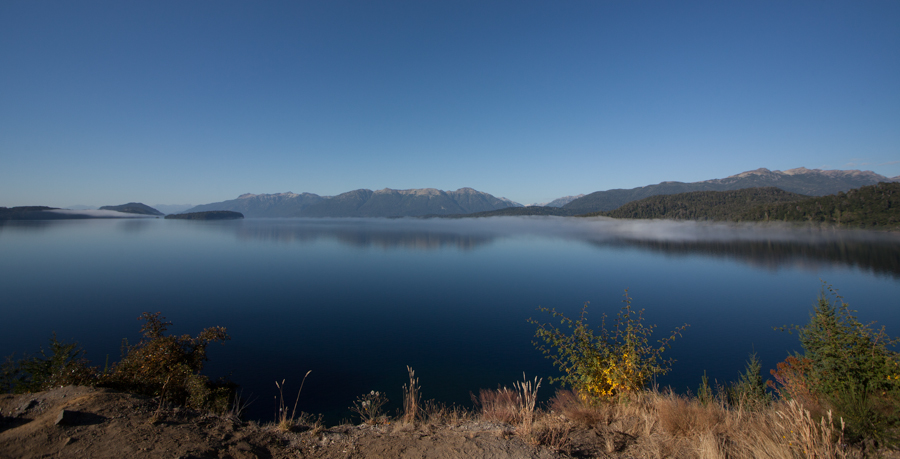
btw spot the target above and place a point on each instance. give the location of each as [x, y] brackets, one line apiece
[209, 215]
[134, 208]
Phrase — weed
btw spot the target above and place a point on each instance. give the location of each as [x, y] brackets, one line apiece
[369, 407]
[283, 421]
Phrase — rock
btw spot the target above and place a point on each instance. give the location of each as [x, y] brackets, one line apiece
[67, 418]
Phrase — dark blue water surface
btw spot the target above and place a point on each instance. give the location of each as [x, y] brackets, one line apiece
[356, 301]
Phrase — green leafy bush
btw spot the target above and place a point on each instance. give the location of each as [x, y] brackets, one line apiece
[608, 363]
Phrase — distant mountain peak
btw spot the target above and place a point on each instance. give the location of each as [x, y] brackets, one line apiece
[286, 194]
[412, 191]
[800, 170]
[760, 171]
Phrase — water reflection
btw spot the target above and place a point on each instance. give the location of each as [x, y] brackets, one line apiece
[879, 258]
[772, 247]
[769, 247]
[361, 234]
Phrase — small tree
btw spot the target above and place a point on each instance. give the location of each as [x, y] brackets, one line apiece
[610, 362]
[845, 354]
[750, 390]
[849, 366]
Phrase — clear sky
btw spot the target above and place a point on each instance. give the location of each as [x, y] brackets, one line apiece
[175, 102]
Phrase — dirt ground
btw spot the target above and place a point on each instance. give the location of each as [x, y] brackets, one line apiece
[100, 423]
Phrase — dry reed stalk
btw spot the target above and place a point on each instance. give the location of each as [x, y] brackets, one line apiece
[527, 397]
[411, 398]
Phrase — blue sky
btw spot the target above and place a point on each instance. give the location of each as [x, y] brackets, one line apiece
[200, 101]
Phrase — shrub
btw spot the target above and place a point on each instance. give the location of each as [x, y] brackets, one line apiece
[792, 380]
[61, 365]
[609, 363]
[169, 366]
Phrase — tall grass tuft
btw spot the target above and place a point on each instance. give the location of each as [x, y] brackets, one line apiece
[411, 398]
[283, 421]
[526, 398]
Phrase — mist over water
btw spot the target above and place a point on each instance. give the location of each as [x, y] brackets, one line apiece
[356, 300]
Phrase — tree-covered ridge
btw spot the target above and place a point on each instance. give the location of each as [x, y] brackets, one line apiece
[702, 205]
[868, 207]
[23, 209]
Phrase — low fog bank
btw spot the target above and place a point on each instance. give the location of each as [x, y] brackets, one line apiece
[480, 231]
[97, 213]
[610, 229]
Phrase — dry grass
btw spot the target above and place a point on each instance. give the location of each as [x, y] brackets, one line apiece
[551, 431]
[511, 406]
[438, 414]
[500, 405]
[665, 425]
[679, 416]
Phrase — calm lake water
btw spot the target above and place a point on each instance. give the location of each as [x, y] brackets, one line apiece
[355, 301]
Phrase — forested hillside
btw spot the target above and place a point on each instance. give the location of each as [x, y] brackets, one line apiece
[868, 207]
[702, 205]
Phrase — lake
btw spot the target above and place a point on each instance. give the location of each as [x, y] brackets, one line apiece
[357, 300]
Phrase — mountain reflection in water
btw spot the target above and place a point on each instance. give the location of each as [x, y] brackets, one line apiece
[772, 247]
[361, 236]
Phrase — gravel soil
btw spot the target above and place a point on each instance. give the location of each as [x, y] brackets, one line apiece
[100, 423]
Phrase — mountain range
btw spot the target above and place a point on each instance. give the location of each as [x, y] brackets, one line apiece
[467, 201]
[362, 203]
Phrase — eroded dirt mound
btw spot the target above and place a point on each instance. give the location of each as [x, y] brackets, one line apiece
[101, 423]
[89, 422]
